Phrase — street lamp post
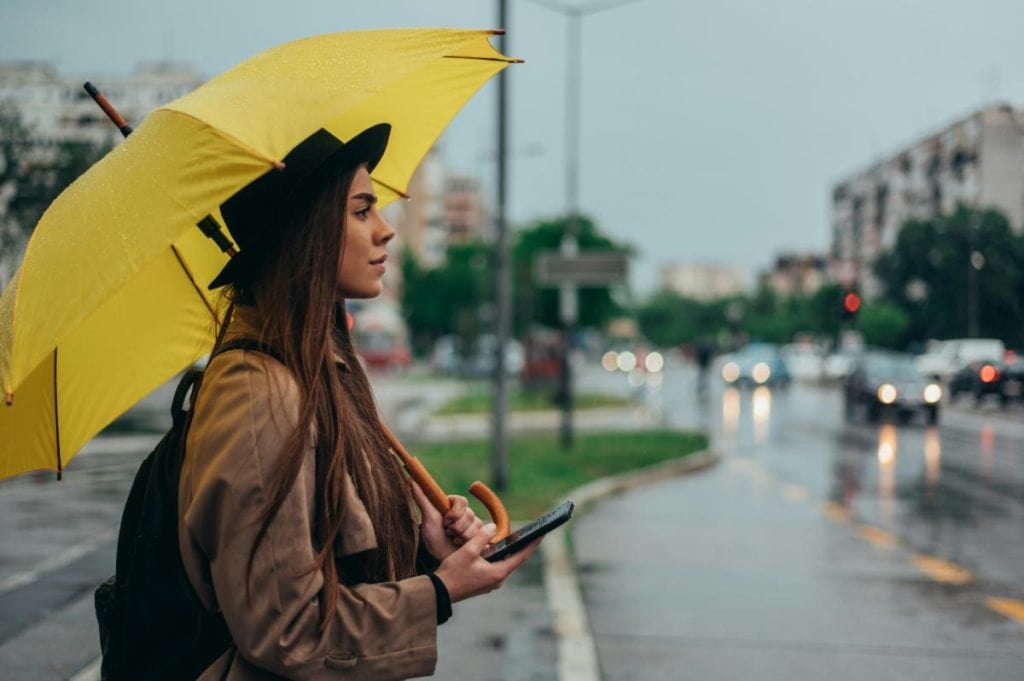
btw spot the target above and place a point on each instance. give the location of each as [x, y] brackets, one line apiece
[499, 455]
[568, 300]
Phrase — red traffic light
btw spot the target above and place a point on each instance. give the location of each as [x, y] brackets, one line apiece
[851, 302]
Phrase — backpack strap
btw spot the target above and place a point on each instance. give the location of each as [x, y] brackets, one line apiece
[189, 384]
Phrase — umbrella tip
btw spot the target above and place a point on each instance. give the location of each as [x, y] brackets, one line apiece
[10, 398]
[278, 165]
[496, 31]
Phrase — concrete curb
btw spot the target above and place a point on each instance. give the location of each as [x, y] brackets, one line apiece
[577, 654]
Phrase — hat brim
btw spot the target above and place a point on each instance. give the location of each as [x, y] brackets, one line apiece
[366, 148]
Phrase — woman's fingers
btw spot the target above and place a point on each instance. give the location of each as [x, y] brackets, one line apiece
[429, 513]
[459, 507]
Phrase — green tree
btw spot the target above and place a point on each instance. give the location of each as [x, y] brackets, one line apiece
[669, 319]
[884, 325]
[31, 177]
[926, 274]
[451, 299]
[536, 304]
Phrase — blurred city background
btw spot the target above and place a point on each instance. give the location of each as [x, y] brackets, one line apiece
[811, 221]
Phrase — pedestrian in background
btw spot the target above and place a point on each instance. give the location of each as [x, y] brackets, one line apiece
[297, 522]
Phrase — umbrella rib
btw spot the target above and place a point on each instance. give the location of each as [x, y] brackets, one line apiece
[56, 415]
[390, 188]
[504, 60]
[192, 280]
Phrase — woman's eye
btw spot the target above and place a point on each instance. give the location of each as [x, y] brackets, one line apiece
[363, 213]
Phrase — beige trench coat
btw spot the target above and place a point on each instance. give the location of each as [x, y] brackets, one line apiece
[246, 410]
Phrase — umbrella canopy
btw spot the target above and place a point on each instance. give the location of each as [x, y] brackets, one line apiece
[110, 300]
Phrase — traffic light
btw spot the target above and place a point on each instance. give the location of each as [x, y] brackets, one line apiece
[851, 303]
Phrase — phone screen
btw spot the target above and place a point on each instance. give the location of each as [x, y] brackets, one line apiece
[521, 538]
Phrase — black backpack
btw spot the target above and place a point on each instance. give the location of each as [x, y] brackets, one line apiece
[152, 624]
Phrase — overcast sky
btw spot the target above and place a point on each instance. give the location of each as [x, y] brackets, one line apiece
[712, 129]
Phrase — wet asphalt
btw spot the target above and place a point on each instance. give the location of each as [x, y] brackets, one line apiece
[817, 548]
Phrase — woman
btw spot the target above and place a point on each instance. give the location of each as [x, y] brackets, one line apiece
[296, 522]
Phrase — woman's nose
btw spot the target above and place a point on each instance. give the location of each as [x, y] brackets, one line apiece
[384, 232]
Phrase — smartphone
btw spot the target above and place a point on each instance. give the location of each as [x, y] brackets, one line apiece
[518, 540]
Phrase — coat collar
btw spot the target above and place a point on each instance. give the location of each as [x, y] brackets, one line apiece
[245, 323]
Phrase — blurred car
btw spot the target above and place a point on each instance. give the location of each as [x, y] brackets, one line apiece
[980, 380]
[481, 360]
[890, 382]
[838, 365]
[383, 350]
[1013, 381]
[756, 364]
[945, 358]
[983, 379]
[446, 355]
[804, 362]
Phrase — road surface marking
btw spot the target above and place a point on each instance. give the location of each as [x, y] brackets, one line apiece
[878, 537]
[796, 493]
[577, 654]
[1009, 607]
[941, 570]
[66, 557]
[836, 512]
[90, 672]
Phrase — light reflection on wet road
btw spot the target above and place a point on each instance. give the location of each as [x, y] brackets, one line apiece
[906, 540]
[955, 490]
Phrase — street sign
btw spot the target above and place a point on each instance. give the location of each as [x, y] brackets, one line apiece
[589, 268]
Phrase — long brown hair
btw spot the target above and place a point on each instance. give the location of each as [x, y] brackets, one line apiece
[303, 319]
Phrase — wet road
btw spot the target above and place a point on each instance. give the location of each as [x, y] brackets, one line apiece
[816, 546]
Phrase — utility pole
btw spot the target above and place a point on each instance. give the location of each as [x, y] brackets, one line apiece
[499, 439]
[568, 299]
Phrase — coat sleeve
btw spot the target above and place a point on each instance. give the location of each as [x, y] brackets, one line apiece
[246, 411]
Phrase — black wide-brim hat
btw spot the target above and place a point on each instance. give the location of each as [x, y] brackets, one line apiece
[253, 213]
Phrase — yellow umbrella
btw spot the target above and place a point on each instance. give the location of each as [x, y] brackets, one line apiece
[110, 300]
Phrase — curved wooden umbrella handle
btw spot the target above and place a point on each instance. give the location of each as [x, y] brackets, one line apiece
[438, 499]
[490, 500]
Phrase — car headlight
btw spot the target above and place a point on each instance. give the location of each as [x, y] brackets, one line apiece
[761, 372]
[731, 372]
[654, 362]
[932, 393]
[887, 393]
[610, 361]
[626, 361]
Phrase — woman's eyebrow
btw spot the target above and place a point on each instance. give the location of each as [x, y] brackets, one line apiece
[365, 196]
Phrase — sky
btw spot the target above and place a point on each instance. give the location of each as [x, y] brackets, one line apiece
[711, 130]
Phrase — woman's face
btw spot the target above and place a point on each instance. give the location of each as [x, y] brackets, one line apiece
[361, 272]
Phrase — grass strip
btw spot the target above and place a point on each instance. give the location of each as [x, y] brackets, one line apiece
[540, 472]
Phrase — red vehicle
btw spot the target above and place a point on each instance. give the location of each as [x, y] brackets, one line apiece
[543, 365]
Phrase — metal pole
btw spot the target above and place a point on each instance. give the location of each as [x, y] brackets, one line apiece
[972, 275]
[499, 455]
[568, 298]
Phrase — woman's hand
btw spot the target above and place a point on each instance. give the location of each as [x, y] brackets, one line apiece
[442, 535]
[465, 574]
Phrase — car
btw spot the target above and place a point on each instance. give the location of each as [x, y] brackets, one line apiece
[1013, 380]
[383, 351]
[890, 382]
[945, 358]
[481, 360]
[446, 355]
[756, 364]
[804, 362]
[980, 379]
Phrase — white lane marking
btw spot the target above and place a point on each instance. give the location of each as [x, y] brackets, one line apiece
[577, 654]
[91, 672]
[53, 563]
